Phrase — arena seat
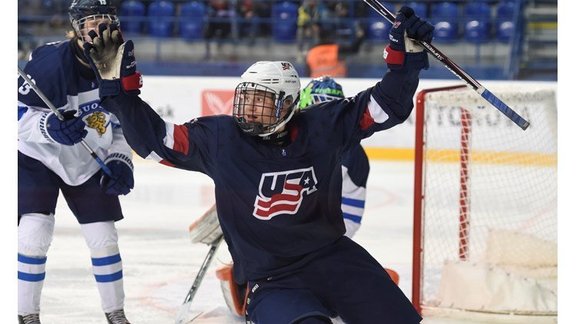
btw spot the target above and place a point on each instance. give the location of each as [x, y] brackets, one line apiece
[192, 20]
[284, 18]
[477, 22]
[505, 26]
[161, 18]
[131, 13]
[378, 27]
[444, 16]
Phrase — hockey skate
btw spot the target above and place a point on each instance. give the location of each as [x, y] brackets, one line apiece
[29, 319]
[117, 317]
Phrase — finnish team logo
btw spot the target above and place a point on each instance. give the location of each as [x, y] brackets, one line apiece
[97, 120]
[282, 192]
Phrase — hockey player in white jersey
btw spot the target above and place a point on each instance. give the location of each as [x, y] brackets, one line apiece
[51, 160]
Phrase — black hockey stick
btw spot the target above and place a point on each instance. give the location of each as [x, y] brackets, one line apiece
[59, 115]
[458, 71]
[182, 317]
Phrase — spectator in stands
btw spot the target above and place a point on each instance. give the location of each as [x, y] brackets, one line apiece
[345, 27]
[219, 27]
[310, 13]
[328, 56]
[253, 14]
[248, 20]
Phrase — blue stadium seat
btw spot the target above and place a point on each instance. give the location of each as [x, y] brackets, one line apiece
[420, 8]
[378, 27]
[131, 14]
[284, 18]
[445, 17]
[161, 18]
[478, 22]
[192, 20]
[505, 27]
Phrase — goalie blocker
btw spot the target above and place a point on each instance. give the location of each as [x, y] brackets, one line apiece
[206, 229]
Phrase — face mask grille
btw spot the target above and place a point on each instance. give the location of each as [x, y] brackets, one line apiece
[82, 30]
[256, 108]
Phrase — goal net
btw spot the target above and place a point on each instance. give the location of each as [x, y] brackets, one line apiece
[485, 203]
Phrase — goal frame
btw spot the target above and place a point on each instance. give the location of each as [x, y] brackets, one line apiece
[466, 160]
[417, 251]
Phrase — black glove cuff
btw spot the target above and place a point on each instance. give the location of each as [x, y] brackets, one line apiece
[120, 157]
[417, 61]
[110, 88]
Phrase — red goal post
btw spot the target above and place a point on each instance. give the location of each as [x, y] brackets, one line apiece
[485, 193]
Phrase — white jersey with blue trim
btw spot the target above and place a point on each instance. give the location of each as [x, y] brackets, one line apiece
[355, 170]
[69, 86]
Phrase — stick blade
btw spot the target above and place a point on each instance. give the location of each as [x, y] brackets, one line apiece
[185, 314]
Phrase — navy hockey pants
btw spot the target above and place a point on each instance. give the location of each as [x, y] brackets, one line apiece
[343, 280]
[38, 189]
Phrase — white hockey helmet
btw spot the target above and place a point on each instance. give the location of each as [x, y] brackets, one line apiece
[280, 80]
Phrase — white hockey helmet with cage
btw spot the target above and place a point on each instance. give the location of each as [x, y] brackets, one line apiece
[278, 79]
[81, 11]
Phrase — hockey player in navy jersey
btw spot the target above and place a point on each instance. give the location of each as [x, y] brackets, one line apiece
[355, 164]
[355, 170]
[51, 160]
[278, 177]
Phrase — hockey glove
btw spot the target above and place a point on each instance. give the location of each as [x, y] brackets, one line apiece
[66, 132]
[404, 34]
[122, 180]
[113, 61]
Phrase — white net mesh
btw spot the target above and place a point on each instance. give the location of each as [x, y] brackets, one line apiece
[490, 194]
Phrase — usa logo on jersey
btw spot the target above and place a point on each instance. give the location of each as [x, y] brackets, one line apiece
[282, 192]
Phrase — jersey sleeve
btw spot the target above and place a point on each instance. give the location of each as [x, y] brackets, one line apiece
[388, 103]
[45, 70]
[119, 143]
[187, 146]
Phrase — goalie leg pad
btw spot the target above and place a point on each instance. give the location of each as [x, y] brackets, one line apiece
[235, 295]
[206, 229]
[393, 275]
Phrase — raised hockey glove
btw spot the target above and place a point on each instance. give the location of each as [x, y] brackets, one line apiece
[404, 34]
[113, 61]
[122, 179]
[66, 132]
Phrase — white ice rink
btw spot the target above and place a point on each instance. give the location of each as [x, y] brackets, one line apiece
[160, 262]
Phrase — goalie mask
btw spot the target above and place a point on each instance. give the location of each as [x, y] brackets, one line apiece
[266, 98]
[85, 15]
[319, 90]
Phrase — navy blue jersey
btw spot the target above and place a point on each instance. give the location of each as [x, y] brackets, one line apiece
[276, 205]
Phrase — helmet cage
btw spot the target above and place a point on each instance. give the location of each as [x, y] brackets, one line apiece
[82, 11]
[82, 32]
[271, 119]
